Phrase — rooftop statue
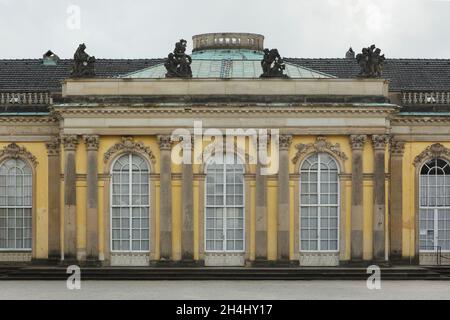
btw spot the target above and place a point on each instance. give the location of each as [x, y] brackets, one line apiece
[371, 62]
[84, 65]
[273, 65]
[178, 63]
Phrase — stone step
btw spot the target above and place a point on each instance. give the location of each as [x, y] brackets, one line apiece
[58, 273]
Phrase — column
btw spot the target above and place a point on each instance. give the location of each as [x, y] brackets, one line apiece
[283, 198]
[357, 211]
[92, 142]
[70, 143]
[379, 197]
[261, 207]
[54, 197]
[397, 149]
[165, 205]
[187, 189]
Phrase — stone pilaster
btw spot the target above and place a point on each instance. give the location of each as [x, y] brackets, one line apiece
[397, 149]
[187, 187]
[54, 197]
[165, 205]
[357, 211]
[379, 197]
[92, 142]
[70, 143]
[261, 207]
[283, 198]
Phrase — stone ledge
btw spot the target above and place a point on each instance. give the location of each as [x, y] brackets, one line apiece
[319, 259]
[15, 256]
[431, 259]
[224, 259]
[130, 259]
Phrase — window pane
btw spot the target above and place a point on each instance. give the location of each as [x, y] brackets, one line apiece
[15, 205]
[224, 194]
[130, 204]
[319, 191]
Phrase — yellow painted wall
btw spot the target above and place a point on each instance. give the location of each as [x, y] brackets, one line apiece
[38, 149]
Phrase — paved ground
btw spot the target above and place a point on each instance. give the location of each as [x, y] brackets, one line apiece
[181, 290]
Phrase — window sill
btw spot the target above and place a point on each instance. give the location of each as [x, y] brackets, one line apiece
[224, 259]
[130, 259]
[15, 256]
[319, 259]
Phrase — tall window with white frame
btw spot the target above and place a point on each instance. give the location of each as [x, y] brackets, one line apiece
[224, 206]
[130, 204]
[15, 205]
[435, 206]
[319, 204]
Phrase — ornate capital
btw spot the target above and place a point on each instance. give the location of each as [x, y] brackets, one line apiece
[165, 142]
[129, 145]
[357, 141]
[397, 148]
[91, 142]
[53, 146]
[436, 150]
[70, 142]
[321, 145]
[380, 141]
[16, 152]
[285, 141]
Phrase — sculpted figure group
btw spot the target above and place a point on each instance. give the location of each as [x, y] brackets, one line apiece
[371, 62]
[178, 63]
[273, 65]
[84, 65]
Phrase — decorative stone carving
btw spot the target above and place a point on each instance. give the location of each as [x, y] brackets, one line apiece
[53, 146]
[273, 65]
[178, 63]
[129, 145]
[70, 141]
[285, 142]
[84, 65]
[165, 142]
[434, 151]
[397, 147]
[357, 141]
[91, 142]
[321, 145]
[371, 62]
[380, 141]
[15, 151]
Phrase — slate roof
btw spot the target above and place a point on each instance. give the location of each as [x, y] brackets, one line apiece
[31, 75]
[404, 74]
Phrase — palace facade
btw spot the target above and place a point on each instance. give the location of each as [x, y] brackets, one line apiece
[87, 171]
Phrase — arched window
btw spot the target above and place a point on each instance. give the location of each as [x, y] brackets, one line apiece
[15, 205]
[130, 203]
[319, 204]
[435, 205]
[224, 207]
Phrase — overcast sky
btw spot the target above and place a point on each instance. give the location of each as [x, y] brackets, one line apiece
[298, 28]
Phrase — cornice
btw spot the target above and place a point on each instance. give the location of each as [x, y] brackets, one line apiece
[194, 110]
[27, 119]
[417, 120]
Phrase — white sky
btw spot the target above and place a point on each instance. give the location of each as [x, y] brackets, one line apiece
[298, 28]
